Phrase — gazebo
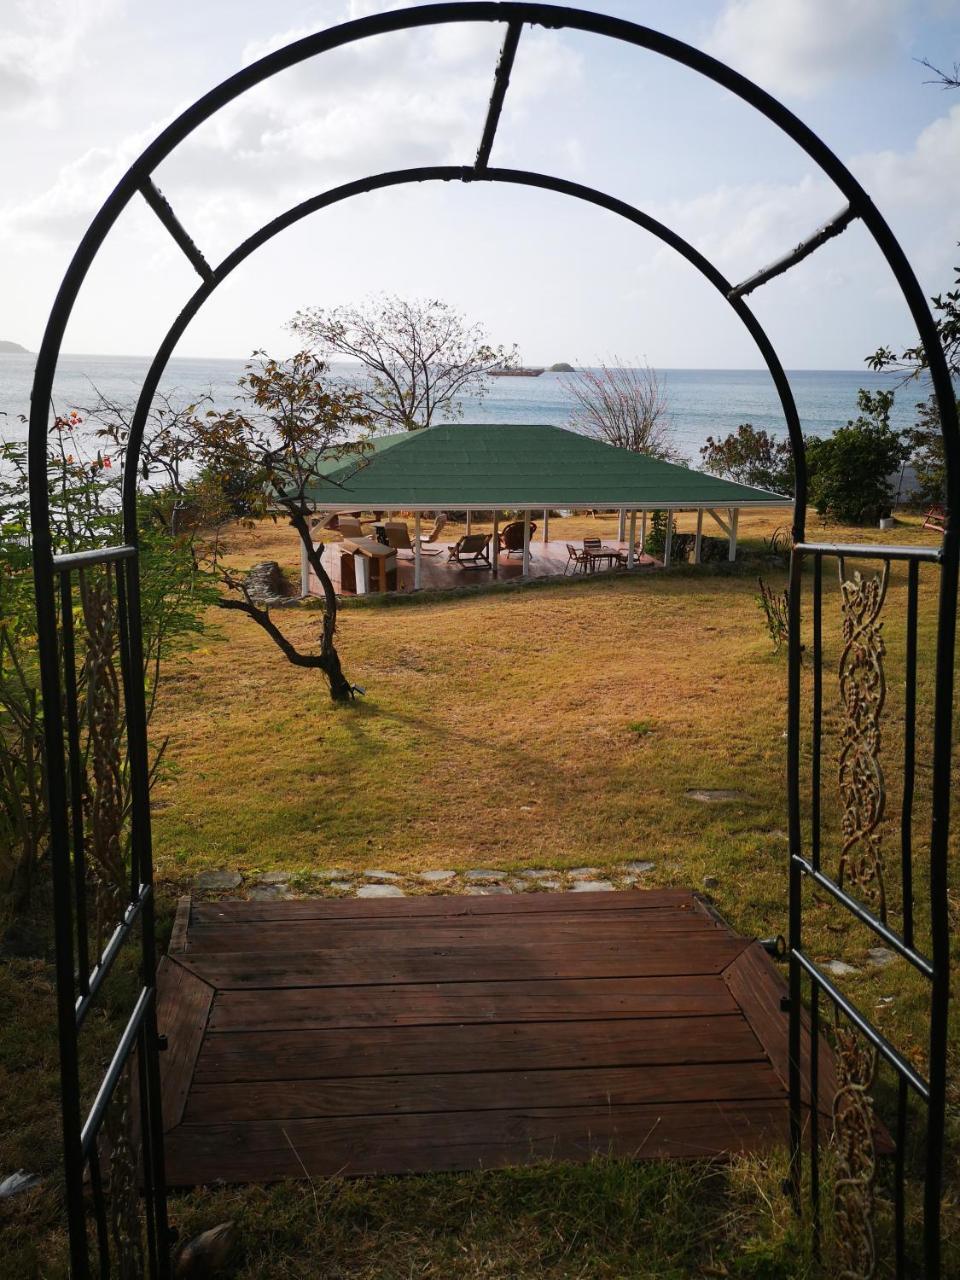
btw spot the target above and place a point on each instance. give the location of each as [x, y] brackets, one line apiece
[524, 468]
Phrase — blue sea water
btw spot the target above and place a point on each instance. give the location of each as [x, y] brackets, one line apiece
[702, 402]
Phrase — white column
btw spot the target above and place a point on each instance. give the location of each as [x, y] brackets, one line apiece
[304, 567]
[734, 515]
[417, 553]
[495, 544]
[469, 520]
[699, 540]
[622, 527]
[643, 529]
[668, 541]
[526, 543]
[633, 538]
[545, 532]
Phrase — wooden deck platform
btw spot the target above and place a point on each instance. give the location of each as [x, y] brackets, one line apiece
[364, 1036]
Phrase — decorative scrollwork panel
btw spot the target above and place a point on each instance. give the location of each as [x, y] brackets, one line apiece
[863, 691]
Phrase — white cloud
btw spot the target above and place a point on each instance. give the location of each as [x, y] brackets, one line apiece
[394, 101]
[796, 47]
[43, 47]
[928, 174]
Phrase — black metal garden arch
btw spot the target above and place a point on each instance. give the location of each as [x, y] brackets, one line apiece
[78, 982]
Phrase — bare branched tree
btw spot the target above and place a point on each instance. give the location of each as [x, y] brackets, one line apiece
[167, 450]
[624, 405]
[294, 424]
[420, 356]
[945, 79]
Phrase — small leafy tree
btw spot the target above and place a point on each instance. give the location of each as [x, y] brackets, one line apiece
[294, 422]
[751, 455]
[775, 607]
[656, 540]
[925, 439]
[420, 356]
[850, 471]
[625, 406]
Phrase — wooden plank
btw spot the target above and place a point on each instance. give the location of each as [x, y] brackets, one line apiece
[265, 1150]
[489, 932]
[384, 1051]
[758, 989]
[183, 1007]
[570, 999]
[181, 924]
[482, 1091]
[365, 966]
[439, 905]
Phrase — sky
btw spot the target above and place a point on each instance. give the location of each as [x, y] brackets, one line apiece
[86, 84]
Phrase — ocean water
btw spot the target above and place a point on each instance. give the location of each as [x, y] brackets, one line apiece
[702, 402]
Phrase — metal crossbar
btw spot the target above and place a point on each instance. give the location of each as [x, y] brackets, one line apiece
[500, 82]
[832, 228]
[162, 208]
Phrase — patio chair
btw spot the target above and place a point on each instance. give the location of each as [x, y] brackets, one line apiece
[577, 558]
[511, 537]
[398, 537]
[471, 551]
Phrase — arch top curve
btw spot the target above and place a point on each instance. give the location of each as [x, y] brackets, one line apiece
[469, 175]
[514, 14]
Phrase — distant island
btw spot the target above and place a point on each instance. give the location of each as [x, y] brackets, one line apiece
[561, 367]
[12, 348]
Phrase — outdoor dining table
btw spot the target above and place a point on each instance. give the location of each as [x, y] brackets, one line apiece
[612, 555]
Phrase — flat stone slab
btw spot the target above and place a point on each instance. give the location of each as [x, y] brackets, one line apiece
[218, 880]
[546, 885]
[639, 865]
[273, 877]
[380, 891]
[374, 874]
[485, 876]
[714, 795]
[437, 877]
[880, 957]
[593, 886]
[538, 873]
[487, 890]
[328, 873]
[268, 893]
[583, 873]
[840, 968]
[340, 884]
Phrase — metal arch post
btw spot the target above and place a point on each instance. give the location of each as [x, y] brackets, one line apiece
[139, 177]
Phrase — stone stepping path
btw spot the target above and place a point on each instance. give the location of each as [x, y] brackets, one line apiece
[273, 886]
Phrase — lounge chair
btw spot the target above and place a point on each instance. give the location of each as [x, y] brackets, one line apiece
[349, 526]
[576, 557]
[471, 551]
[935, 518]
[439, 525]
[398, 537]
[511, 537]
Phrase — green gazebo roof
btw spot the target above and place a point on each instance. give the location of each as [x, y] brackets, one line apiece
[492, 465]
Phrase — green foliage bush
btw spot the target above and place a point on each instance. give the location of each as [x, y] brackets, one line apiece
[850, 471]
[85, 512]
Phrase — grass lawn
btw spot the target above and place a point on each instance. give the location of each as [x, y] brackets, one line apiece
[556, 725]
